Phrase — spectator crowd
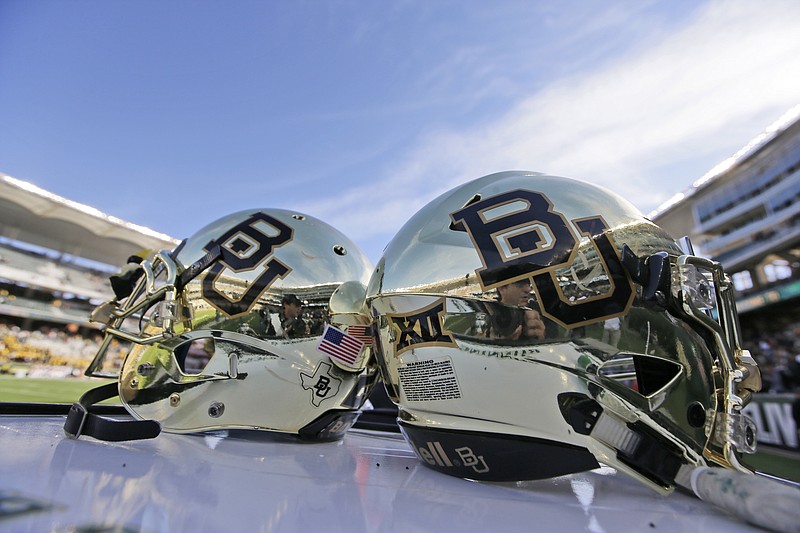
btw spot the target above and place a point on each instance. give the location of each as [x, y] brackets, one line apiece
[778, 357]
[50, 346]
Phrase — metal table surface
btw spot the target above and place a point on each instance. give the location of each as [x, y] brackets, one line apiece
[369, 481]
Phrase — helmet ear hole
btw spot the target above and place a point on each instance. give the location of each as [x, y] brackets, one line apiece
[644, 374]
[194, 355]
[653, 373]
[696, 415]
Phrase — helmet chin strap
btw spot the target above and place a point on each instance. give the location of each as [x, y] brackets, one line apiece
[632, 446]
[81, 422]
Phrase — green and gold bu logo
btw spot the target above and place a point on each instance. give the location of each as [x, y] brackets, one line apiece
[520, 235]
[245, 247]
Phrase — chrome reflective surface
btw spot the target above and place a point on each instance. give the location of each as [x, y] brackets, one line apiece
[229, 326]
[511, 290]
[367, 482]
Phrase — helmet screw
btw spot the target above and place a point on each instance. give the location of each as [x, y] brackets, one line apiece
[174, 399]
[749, 436]
[216, 409]
[134, 381]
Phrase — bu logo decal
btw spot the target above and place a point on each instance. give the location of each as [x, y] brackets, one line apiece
[520, 235]
[515, 245]
[246, 247]
[322, 384]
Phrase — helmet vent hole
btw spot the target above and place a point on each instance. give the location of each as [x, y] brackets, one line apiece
[339, 250]
[696, 415]
[474, 199]
[298, 217]
[459, 226]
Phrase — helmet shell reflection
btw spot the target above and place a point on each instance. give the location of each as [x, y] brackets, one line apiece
[507, 324]
[244, 346]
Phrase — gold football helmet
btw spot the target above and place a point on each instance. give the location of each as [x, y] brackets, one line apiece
[530, 326]
[255, 322]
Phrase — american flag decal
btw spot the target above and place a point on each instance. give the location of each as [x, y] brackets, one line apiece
[340, 346]
[362, 333]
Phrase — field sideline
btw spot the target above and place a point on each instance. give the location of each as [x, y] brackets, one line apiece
[42, 390]
[777, 462]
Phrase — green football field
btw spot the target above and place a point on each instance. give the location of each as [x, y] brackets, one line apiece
[35, 390]
[780, 463]
[777, 462]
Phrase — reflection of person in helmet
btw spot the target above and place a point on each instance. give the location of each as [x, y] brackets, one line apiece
[289, 321]
[516, 293]
[515, 319]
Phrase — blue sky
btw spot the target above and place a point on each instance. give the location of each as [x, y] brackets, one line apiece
[172, 114]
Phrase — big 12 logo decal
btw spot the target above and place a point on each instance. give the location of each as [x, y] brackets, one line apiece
[519, 234]
[422, 326]
[243, 248]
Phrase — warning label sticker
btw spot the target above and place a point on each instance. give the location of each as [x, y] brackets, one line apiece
[429, 380]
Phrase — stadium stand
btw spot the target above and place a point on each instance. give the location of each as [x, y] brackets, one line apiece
[55, 259]
[745, 213]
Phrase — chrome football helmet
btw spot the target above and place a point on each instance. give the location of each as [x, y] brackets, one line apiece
[530, 326]
[212, 347]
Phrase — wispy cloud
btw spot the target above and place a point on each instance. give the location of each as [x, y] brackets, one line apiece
[696, 94]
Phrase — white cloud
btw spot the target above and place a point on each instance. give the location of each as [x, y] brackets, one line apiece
[706, 88]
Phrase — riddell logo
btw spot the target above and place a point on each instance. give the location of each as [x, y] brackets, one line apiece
[433, 453]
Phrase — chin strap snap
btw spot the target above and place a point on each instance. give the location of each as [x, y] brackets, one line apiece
[82, 422]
